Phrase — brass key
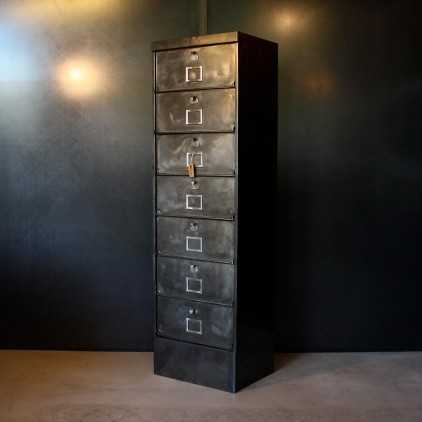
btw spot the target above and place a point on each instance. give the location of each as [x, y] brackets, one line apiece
[191, 170]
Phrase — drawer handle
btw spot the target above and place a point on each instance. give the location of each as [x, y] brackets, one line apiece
[194, 285]
[194, 74]
[195, 158]
[194, 117]
[194, 326]
[194, 244]
[193, 202]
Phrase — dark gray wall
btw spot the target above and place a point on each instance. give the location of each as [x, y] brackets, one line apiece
[75, 169]
[350, 168]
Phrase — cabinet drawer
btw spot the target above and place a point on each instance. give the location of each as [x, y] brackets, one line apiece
[196, 111]
[211, 153]
[187, 279]
[193, 68]
[197, 239]
[196, 322]
[211, 197]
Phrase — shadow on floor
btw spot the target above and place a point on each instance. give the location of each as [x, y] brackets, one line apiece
[296, 366]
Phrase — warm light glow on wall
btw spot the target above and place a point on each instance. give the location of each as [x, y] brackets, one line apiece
[288, 21]
[76, 74]
[64, 9]
[291, 21]
[319, 84]
[81, 77]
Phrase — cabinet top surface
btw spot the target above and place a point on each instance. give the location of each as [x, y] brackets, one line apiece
[199, 40]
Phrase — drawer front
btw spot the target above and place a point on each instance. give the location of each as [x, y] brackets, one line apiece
[193, 68]
[211, 197]
[196, 322]
[211, 153]
[197, 239]
[198, 280]
[196, 111]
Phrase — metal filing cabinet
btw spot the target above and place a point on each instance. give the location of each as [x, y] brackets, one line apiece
[215, 100]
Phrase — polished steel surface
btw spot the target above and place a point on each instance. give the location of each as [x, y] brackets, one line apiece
[216, 150]
[217, 280]
[194, 92]
[217, 238]
[196, 111]
[210, 197]
[196, 68]
[187, 42]
[197, 215]
[200, 323]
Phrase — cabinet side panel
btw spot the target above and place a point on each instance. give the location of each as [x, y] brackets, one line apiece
[257, 149]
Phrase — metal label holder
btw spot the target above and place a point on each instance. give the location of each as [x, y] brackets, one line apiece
[192, 330]
[189, 289]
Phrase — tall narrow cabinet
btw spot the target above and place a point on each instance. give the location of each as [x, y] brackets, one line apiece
[215, 137]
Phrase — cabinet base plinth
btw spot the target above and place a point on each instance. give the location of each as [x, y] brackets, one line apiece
[194, 363]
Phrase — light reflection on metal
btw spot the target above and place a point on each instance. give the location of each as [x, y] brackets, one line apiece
[81, 77]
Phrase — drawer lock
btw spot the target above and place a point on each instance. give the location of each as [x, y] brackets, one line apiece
[193, 268]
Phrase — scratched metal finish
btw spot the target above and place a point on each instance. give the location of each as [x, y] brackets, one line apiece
[214, 323]
[181, 111]
[195, 40]
[214, 151]
[195, 68]
[212, 282]
[217, 238]
[210, 197]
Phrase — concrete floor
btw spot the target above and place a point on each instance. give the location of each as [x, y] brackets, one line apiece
[120, 387]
